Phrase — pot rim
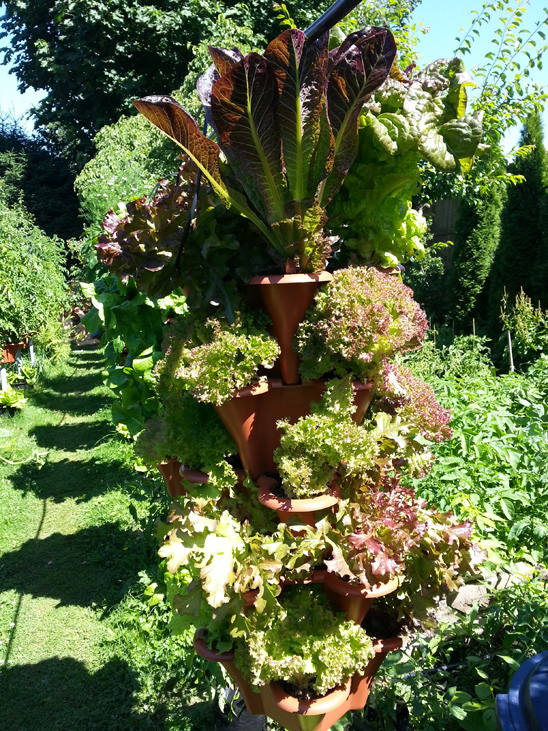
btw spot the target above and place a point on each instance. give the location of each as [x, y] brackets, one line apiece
[333, 699]
[295, 505]
[345, 588]
[203, 650]
[300, 278]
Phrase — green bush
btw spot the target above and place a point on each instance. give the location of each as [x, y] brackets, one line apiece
[33, 289]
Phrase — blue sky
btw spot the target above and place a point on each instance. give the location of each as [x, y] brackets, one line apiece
[448, 19]
[445, 19]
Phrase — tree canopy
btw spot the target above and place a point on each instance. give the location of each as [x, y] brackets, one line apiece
[92, 57]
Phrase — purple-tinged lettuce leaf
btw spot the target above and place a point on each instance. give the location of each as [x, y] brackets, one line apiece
[243, 107]
[224, 58]
[357, 68]
[174, 121]
[203, 87]
[307, 141]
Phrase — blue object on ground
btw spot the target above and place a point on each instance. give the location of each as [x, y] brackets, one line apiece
[525, 706]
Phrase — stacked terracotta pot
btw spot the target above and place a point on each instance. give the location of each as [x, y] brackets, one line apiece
[251, 417]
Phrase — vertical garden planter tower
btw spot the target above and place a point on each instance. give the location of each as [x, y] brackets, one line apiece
[285, 423]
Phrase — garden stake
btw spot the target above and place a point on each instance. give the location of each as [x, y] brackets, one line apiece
[512, 369]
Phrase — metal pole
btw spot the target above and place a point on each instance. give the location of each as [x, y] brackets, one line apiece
[3, 379]
[331, 17]
[512, 369]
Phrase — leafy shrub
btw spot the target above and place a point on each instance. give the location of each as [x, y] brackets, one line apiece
[305, 644]
[358, 321]
[32, 279]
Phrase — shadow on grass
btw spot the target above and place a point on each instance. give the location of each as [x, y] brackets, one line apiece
[79, 479]
[70, 403]
[61, 694]
[92, 567]
[76, 384]
[71, 437]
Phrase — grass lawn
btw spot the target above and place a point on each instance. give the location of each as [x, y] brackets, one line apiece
[79, 648]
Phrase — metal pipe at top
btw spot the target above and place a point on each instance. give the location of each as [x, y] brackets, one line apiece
[331, 17]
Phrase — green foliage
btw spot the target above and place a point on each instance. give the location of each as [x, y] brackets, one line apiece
[405, 122]
[52, 342]
[528, 326]
[93, 56]
[130, 157]
[505, 94]
[32, 283]
[520, 258]
[357, 322]
[132, 330]
[38, 179]
[217, 358]
[426, 278]
[477, 232]
[492, 471]
[304, 644]
[12, 398]
[185, 429]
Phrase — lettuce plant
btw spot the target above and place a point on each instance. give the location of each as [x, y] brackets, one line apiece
[400, 393]
[357, 322]
[305, 644]
[216, 358]
[328, 444]
[185, 429]
[391, 532]
[409, 121]
[287, 131]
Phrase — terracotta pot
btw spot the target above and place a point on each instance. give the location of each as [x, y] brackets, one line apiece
[251, 696]
[170, 470]
[253, 412]
[286, 298]
[355, 600]
[9, 351]
[297, 715]
[361, 684]
[308, 510]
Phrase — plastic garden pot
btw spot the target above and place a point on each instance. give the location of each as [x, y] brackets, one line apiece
[286, 298]
[9, 351]
[251, 417]
[170, 470]
[354, 599]
[308, 510]
[298, 715]
[252, 698]
[525, 706]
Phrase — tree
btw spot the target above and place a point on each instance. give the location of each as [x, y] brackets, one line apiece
[523, 249]
[42, 181]
[477, 232]
[93, 56]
